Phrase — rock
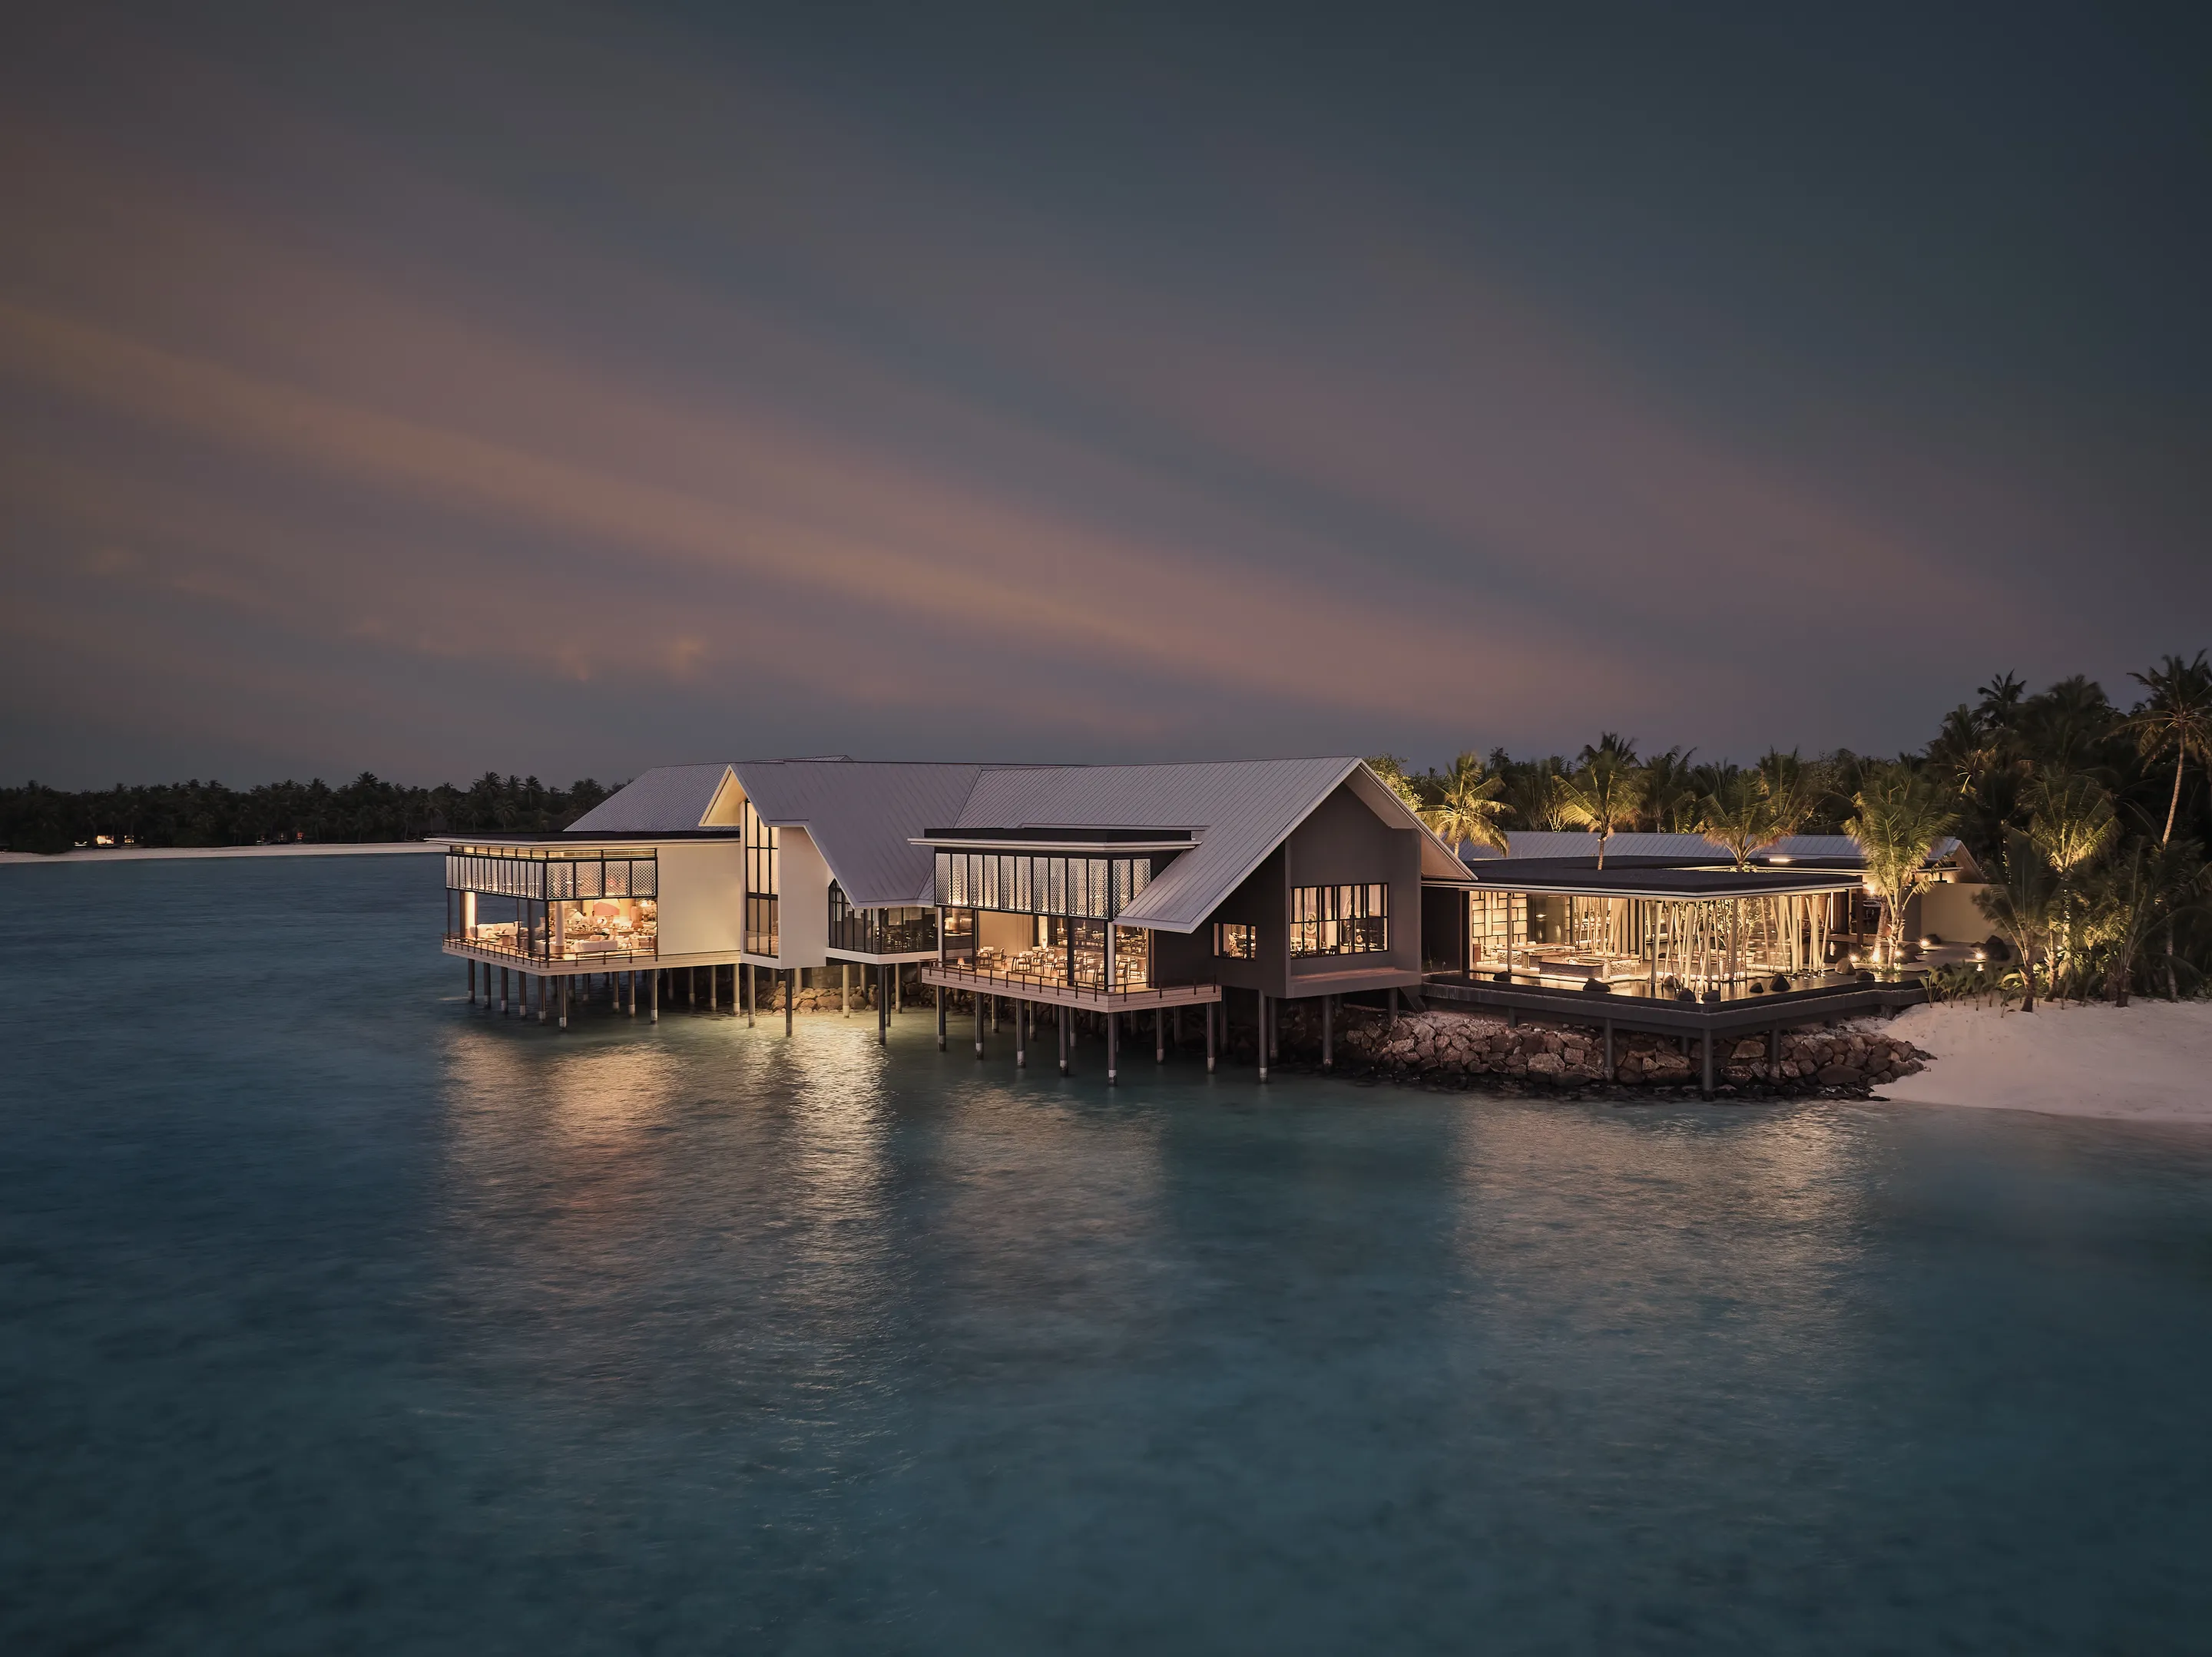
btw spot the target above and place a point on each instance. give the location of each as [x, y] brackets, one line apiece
[1835, 1076]
[1546, 1063]
[1745, 1051]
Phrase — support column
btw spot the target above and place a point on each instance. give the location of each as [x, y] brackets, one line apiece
[1705, 1041]
[941, 1017]
[564, 1003]
[1610, 1072]
[502, 990]
[1328, 1032]
[653, 993]
[790, 996]
[752, 991]
[690, 986]
[472, 965]
[1774, 1045]
[713, 986]
[1210, 1008]
[1160, 1036]
[994, 1014]
[898, 989]
[543, 985]
[976, 997]
[1059, 1023]
[1394, 1005]
[1262, 1033]
[1112, 1047]
[1021, 1035]
[884, 1005]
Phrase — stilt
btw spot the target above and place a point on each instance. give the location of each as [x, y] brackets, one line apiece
[940, 1018]
[898, 989]
[1774, 1045]
[1705, 1041]
[1112, 1047]
[472, 965]
[752, 991]
[978, 1000]
[1210, 1007]
[543, 984]
[845, 987]
[1160, 1036]
[1328, 1032]
[690, 986]
[564, 1003]
[884, 1005]
[714, 987]
[994, 1014]
[1059, 1023]
[1274, 1029]
[1262, 1043]
[653, 993]
[1174, 1030]
[1394, 1005]
[1609, 1071]
[790, 976]
[502, 991]
[1021, 1035]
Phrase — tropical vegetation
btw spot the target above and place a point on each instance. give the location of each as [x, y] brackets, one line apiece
[2088, 820]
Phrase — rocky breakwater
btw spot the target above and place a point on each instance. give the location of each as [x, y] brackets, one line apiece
[1452, 1048]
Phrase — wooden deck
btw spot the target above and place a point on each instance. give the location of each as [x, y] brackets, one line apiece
[1068, 995]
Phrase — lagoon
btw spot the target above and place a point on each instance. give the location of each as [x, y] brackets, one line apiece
[342, 1317]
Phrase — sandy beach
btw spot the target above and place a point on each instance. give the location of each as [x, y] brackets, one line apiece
[2147, 1062]
[140, 854]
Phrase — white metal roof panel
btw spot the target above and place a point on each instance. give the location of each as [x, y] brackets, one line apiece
[862, 816]
[669, 800]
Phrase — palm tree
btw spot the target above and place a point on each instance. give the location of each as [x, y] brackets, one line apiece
[2018, 906]
[1792, 790]
[1670, 797]
[1604, 794]
[2177, 714]
[2145, 890]
[1901, 815]
[1738, 814]
[1471, 806]
[2071, 822]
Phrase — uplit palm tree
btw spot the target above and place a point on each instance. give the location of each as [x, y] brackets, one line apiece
[1793, 791]
[1901, 815]
[1603, 795]
[1471, 806]
[2018, 906]
[1738, 815]
[2177, 714]
[2072, 822]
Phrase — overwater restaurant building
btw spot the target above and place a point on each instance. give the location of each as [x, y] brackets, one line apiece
[1101, 890]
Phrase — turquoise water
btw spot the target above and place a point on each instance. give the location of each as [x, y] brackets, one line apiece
[342, 1318]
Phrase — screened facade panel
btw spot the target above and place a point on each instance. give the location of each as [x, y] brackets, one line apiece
[1020, 882]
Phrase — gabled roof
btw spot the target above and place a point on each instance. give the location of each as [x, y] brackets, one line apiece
[669, 800]
[862, 816]
[1240, 811]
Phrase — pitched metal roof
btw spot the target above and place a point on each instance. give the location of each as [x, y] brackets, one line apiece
[665, 800]
[863, 814]
[1241, 810]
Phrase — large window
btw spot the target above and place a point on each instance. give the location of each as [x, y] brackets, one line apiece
[906, 931]
[541, 904]
[1019, 884]
[763, 884]
[1236, 941]
[1340, 919]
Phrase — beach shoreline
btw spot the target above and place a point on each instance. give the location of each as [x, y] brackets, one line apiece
[2150, 1061]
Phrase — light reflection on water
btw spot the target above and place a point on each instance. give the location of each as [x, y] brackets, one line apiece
[345, 1320]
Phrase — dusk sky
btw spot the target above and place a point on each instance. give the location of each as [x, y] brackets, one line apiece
[570, 391]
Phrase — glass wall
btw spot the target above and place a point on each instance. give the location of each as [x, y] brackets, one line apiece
[1019, 883]
[906, 931]
[547, 906]
[763, 884]
[1236, 941]
[1340, 919]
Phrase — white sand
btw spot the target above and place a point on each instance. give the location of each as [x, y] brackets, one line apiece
[138, 854]
[2150, 1061]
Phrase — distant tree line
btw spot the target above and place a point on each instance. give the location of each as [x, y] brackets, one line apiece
[2090, 820]
[35, 818]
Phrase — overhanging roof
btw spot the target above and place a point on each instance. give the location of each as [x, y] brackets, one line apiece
[1241, 810]
[862, 816]
[1653, 877]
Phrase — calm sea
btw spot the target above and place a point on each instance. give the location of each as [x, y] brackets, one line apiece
[336, 1316]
